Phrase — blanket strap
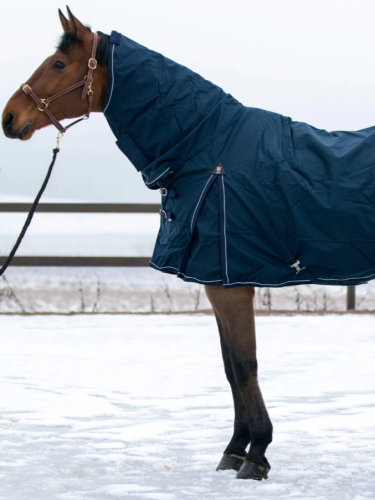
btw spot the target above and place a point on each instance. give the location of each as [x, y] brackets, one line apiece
[167, 192]
[286, 256]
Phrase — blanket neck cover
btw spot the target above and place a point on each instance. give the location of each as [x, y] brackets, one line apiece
[249, 197]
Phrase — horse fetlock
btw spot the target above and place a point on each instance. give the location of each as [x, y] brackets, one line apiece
[237, 447]
[261, 434]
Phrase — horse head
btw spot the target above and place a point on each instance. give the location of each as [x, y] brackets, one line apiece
[22, 115]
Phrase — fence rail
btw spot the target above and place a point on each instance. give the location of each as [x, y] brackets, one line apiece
[86, 208]
[56, 261]
[81, 208]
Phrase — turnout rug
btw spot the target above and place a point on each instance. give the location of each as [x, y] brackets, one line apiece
[249, 197]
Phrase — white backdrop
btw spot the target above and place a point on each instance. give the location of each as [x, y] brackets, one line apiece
[312, 61]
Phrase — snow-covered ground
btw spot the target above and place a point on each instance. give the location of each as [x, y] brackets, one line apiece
[137, 407]
[66, 290]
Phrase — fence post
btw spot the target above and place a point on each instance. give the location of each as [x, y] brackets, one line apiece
[350, 298]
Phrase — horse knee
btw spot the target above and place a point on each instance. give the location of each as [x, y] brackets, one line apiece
[243, 370]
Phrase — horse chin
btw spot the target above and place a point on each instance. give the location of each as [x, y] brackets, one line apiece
[26, 132]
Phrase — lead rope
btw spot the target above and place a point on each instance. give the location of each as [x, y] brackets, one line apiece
[32, 209]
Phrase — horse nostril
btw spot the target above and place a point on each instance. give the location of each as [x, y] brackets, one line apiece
[8, 120]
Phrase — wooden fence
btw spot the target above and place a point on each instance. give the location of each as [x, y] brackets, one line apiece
[92, 208]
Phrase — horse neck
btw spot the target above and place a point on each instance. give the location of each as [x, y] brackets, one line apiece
[100, 85]
[100, 82]
[158, 102]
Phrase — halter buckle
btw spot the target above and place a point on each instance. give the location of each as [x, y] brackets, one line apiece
[93, 63]
[46, 104]
[27, 89]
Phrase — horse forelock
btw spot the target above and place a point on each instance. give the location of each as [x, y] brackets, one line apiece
[69, 39]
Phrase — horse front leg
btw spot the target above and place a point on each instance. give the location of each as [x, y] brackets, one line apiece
[235, 313]
[235, 452]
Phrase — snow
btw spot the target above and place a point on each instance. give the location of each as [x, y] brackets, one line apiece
[138, 407]
[117, 290]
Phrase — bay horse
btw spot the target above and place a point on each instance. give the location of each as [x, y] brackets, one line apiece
[166, 104]
[233, 307]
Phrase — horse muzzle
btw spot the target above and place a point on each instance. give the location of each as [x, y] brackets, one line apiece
[7, 125]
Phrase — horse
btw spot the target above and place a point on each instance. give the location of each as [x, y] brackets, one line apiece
[181, 132]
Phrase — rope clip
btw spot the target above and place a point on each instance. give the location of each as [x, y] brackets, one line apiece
[60, 135]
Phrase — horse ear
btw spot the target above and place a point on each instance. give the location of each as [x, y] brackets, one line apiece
[78, 29]
[64, 22]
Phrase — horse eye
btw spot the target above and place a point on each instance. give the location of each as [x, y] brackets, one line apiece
[59, 65]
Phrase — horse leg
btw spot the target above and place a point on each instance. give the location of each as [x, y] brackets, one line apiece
[235, 312]
[235, 452]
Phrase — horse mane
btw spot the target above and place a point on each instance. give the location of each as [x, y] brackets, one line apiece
[69, 39]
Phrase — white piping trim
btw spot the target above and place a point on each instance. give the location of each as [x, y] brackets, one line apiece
[192, 219]
[267, 284]
[225, 230]
[113, 81]
[207, 281]
[164, 267]
[346, 279]
[179, 272]
[235, 283]
[156, 177]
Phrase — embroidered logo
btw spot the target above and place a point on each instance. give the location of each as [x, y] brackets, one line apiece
[219, 170]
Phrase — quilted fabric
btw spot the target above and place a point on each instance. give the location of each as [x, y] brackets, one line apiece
[249, 197]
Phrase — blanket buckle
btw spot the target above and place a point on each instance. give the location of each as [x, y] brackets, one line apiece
[296, 265]
[166, 215]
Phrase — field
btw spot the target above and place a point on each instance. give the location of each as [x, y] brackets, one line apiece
[111, 407]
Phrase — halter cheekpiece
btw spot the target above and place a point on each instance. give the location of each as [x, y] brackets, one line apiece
[86, 92]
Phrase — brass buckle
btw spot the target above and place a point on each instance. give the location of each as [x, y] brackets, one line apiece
[46, 104]
[27, 87]
[94, 61]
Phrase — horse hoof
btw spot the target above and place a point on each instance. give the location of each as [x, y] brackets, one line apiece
[230, 462]
[249, 470]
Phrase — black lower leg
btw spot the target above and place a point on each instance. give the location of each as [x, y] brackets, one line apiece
[241, 435]
[245, 371]
[234, 312]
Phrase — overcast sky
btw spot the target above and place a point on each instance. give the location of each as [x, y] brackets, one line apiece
[313, 61]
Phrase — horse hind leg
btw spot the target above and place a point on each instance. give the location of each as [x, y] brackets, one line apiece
[235, 313]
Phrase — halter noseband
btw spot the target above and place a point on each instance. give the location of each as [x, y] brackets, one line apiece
[87, 91]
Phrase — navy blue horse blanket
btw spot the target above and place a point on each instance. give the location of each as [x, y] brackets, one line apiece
[249, 197]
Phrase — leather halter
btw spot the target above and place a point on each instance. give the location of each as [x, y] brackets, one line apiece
[87, 91]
